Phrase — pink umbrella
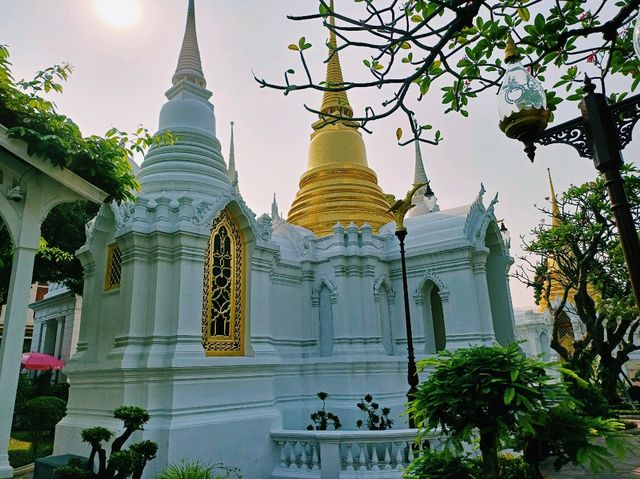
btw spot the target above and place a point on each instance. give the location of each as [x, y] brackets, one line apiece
[40, 362]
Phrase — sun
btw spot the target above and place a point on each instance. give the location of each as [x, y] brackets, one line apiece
[118, 13]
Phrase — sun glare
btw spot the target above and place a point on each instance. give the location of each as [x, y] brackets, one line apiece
[118, 13]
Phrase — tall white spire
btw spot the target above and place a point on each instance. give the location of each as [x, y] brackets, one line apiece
[194, 163]
[421, 206]
[189, 65]
[233, 173]
[419, 175]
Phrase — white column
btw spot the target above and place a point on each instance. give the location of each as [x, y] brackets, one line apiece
[11, 349]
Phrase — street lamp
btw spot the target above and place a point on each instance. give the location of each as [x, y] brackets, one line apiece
[430, 199]
[506, 236]
[399, 209]
[599, 133]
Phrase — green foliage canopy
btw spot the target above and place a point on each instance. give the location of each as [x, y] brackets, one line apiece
[411, 48]
[588, 269]
[102, 161]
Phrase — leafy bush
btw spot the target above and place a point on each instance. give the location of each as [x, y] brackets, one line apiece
[21, 458]
[564, 433]
[321, 418]
[376, 421]
[439, 465]
[187, 469]
[26, 390]
[488, 388]
[509, 466]
[40, 416]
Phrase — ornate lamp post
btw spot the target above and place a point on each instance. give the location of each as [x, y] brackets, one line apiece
[399, 209]
[506, 236]
[599, 133]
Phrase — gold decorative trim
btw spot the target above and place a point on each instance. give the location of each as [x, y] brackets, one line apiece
[113, 274]
[223, 289]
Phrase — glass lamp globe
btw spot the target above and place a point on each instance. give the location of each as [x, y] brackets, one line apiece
[636, 37]
[430, 199]
[506, 236]
[522, 103]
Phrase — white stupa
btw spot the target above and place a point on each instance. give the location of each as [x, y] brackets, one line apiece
[225, 327]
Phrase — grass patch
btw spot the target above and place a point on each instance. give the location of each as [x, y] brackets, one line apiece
[20, 453]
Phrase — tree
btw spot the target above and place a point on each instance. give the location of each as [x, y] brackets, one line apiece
[103, 161]
[41, 414]
[121, 463]
[408, 48]
[479, 387]
[63, 233]
[576, 265]
[500, 393]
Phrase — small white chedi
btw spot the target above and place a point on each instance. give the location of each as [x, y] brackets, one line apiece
[225, 326]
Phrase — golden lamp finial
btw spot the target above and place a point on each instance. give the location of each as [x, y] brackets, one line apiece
[399, 208]
[510, 50]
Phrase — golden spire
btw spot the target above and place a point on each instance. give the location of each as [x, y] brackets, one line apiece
[334, 102]
[556, 289]
[555, 210]
[338, 185]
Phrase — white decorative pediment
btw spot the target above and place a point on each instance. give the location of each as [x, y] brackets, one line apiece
[331, 286]
[378, 283]
[431, 276]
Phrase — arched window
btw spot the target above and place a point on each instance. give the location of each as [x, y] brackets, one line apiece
[222, 303]
[326, 322]
[434, 330]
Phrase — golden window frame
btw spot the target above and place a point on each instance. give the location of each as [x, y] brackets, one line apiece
[113, 273]
[231, 344]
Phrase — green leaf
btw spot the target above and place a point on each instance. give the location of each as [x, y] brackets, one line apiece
[509, 394]
[524, 14]
[294, 47]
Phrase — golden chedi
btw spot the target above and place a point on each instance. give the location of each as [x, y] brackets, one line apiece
[338, 185]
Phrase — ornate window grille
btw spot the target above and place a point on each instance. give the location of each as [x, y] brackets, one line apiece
[114, 268]
[222, 302]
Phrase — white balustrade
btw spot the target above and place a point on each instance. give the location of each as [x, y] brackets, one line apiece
[344, 454]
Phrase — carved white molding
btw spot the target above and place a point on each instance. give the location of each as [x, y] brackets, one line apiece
[333, 291]
[431, 276]
[380, 281]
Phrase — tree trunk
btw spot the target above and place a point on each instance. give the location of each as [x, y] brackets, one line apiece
[489, 450]
[609, 373]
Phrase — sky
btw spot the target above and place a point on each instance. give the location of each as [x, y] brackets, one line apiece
[120, 76]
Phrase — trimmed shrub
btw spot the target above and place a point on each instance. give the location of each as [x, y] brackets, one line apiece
[439, 465]
[40, 416]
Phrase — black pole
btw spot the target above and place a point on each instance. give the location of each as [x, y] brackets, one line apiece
[603, 135]
[412, 371]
